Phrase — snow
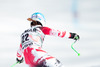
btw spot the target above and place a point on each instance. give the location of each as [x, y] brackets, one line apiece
[58, 13]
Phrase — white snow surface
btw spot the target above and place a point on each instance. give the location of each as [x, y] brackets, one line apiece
[59, 16]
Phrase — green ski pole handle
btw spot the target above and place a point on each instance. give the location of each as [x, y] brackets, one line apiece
[74, 49]
[14, 64]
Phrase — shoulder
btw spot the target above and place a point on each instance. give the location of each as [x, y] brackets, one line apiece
[27, 30]
[45, 28]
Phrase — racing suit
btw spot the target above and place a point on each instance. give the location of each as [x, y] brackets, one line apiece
[31, 47]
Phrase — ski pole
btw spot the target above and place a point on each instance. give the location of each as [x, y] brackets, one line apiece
[73, 47]
[14, 64]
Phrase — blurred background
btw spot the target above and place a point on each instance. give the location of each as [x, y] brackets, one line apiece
[78, 16]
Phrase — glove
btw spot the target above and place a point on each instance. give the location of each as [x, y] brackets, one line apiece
[74, 36]
[19, 61]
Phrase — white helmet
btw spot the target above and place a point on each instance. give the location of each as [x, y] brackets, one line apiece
[38, 17]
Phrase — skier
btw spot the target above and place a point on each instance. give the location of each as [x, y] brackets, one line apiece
[32, 41]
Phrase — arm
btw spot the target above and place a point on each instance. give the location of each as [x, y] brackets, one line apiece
[49, 31]
[52, 32]
[19, 54]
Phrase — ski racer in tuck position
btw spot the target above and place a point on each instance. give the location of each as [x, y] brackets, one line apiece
[32, 40]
